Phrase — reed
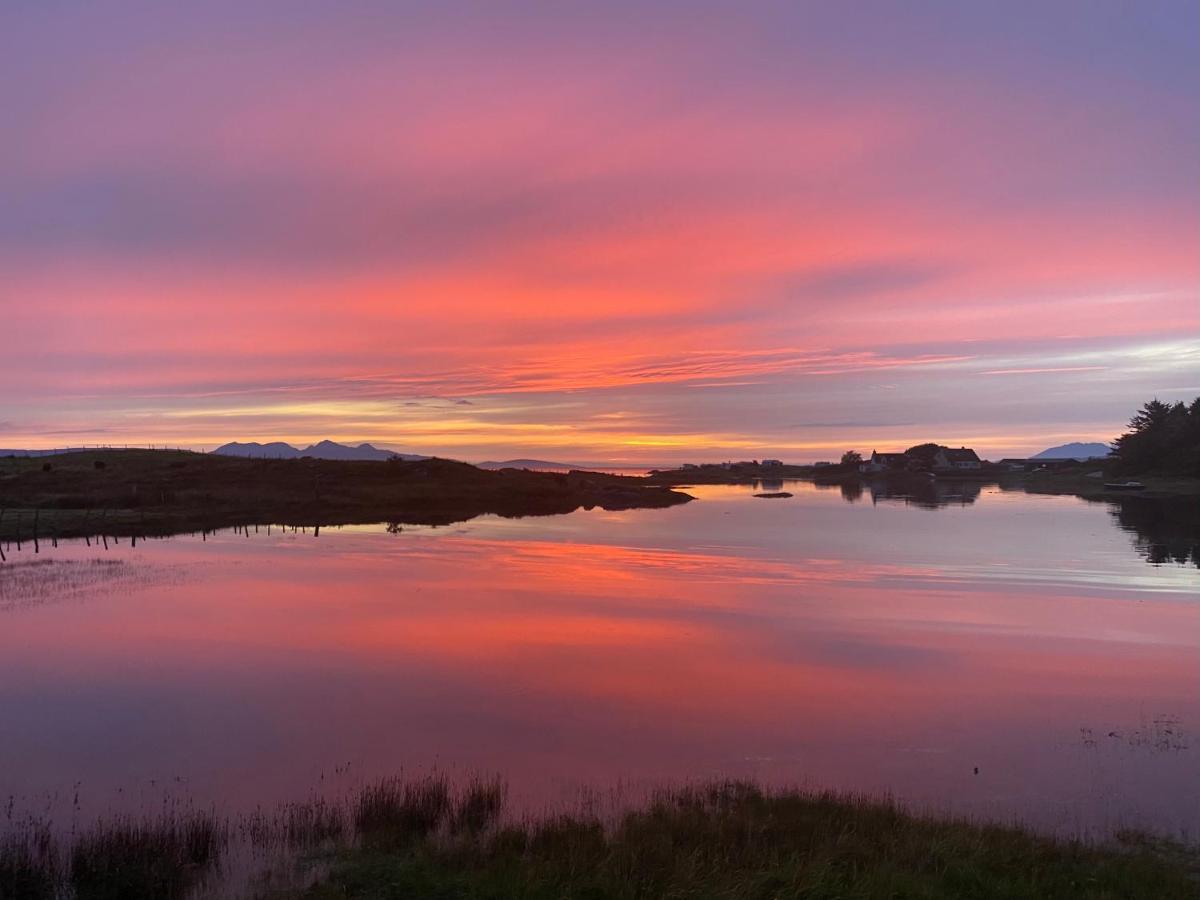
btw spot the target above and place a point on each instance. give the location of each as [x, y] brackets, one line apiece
[134, 859]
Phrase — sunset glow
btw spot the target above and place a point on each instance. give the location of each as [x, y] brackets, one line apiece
[639, 233]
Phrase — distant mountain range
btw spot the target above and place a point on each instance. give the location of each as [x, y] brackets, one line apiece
[1074, 450]
[321, 450]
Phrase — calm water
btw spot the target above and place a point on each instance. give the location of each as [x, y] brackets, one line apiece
[878, 646]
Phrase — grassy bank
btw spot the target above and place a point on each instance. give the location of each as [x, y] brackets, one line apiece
[156, 492]
[423, 838]
[1082, 484]
[735, 840]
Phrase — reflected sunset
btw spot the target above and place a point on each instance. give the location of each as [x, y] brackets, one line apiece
[588, 660]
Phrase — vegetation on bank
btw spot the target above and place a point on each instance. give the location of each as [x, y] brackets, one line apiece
[155, 492]
[735, 840]
[422, 838]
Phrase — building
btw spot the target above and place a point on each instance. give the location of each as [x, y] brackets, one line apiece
[772, 462]
[962, 459]
[884, 462]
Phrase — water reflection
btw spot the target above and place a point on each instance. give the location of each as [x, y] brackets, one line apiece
[1164, 530]
[917, 490]
[928, 493]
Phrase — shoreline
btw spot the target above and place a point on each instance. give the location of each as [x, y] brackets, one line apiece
[1076, 483]
[156, 493]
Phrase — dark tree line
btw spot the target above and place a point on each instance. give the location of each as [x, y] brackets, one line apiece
[1162, 438]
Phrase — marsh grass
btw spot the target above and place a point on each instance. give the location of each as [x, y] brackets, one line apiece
[423, 837]
[479, 806]
[736, 840]
[296, 825]
[133, 859]
[396, 812]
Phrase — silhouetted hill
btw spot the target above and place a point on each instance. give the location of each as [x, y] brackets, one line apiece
[322, 450]
[15, 452]
[1074, 450]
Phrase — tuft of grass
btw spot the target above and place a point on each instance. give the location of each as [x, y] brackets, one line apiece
[736, 840]
[395, 812]
[479, 806]
[128, 860]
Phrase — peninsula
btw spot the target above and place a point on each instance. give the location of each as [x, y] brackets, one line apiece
[157, 492]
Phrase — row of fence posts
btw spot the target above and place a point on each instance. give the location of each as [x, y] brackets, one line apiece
[101, 536]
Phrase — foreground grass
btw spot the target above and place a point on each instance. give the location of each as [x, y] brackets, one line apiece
[422, 838]
[730, 840]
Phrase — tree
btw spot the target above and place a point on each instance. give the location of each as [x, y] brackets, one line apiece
[851, 458]
[1163, 438]
[923, 452]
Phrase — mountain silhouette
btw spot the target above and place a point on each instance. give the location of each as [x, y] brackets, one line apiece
[322, 450]
[1075, 450]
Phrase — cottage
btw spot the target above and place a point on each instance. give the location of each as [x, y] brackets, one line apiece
[962, 459]
[883, 462]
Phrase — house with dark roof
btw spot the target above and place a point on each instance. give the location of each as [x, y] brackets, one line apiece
[884, 462]
[962, 459]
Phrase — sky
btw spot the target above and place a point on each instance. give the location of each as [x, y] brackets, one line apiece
[616, 232]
